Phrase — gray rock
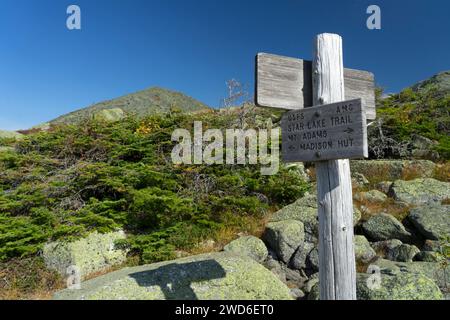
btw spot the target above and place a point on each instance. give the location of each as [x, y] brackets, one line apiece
[392, 169]
[363, 251]
[384, 186]
[440, 273]
[305, 211]
[221, 276]
[109, 115]
[384, 227]
[92, 254]
[433, 222]
[427, 256]
[432, 245]
[250, 246]
[312, 261]
[403, 286]
[359, 180]
[403, 253]
[297, 294]
[284, 237]
[395, 250]
[420, 191]
[298, 260]
[313, 280]
[372, 196]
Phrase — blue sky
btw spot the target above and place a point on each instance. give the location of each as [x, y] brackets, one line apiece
[194, 46]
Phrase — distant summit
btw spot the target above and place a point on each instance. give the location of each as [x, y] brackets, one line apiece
[439, 82]
[142, 103]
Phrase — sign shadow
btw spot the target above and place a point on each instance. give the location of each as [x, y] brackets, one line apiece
[175, 279]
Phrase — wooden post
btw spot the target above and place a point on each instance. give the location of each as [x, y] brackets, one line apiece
[337, 271]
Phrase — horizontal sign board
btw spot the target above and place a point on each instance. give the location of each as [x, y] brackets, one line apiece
[328, 132]
[286, 83]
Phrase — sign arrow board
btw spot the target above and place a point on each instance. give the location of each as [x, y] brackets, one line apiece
[327, 132]
[286, 83]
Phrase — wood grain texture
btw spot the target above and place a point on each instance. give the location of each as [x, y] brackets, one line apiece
[337, 271]
[286, 83]
[327, 132]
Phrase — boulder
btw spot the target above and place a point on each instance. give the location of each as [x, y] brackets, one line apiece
[392, 169]
[363, 251]
[359, 180]
[305, 210]
[284, 237]
[109, 115]
[420, 191]
[250, 246]
[212, 276]
[404, 286]
[390, 287]
[427, 256]
[433, 222]
[312, 261]
[384, 186]
[403, 253]
[438, 272]
[89, 255]
[300, 256]
[423, 148]
[297, 294]
[384, 227]
[372, 196]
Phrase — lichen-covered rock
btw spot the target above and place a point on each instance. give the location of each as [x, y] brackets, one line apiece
[384, 227]
[221, 276]
[363, 251]
[403, 286]
[250, 246]
[433, 222]
[392, 169]
[395, 250]
[94, 253]
[420, 191]
[359, 180]
[284, 237]
[305, 211]
[110, 115]
[439, 272]
[372, 196]
[11, 135]
[403, 253]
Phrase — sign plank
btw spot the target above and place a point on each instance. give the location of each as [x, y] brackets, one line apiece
[286, 83]
[327, 132]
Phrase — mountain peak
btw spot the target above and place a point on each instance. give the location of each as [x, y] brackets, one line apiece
[440, 82]
[149, 101]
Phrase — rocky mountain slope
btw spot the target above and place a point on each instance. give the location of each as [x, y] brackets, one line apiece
[142, 103]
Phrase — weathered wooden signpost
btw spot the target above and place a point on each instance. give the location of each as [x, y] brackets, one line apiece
[329, 133]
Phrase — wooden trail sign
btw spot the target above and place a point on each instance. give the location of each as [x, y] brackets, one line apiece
[329, 133]
[326, 132]
[286, 83]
